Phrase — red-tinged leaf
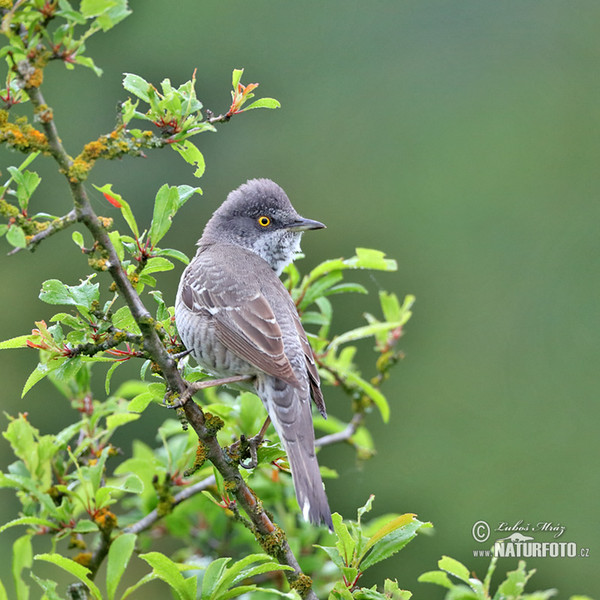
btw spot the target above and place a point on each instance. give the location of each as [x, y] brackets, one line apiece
[112, 200]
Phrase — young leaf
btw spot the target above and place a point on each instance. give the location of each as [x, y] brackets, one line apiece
[119, 553]
[437, 577]
[22, 559]
[392, 542]
[27, 521]
[16, 342]
[191, 155]
[169, 572]
[373, 393]
[263, 103]
[156, 264]
[165, 206]
[41, 371]
[82, 295]
[236, 77]
[15, 236]
[118, 201]
[75, 569]
[212, 576]
[452, 566]
[137, 85]
[345, 544]
[77, 238]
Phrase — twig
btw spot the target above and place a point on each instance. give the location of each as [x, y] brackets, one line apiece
[269, 535]
[186, 493]
[53, 227]
[341, 436]
[114, 340]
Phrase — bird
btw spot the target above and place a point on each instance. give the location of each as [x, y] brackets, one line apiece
[237, 318]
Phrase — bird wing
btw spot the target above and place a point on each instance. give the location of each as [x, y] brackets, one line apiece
[311, 367]
[243, 318]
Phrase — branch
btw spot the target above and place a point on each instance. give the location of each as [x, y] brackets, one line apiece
[53, 227]
[186, 493]
[268, 534]
[344, 435]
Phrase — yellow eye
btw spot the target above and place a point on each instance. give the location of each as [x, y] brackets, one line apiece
[264, 221]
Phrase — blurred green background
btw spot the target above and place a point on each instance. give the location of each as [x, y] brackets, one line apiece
[462, 138]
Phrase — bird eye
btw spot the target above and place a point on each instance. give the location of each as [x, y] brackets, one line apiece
[264, 221]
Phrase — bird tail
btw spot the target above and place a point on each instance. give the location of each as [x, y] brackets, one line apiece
[290, 412]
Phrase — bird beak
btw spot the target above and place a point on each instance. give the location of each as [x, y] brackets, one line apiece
[303, 224]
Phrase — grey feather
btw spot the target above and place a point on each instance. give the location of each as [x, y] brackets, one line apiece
[237, 318]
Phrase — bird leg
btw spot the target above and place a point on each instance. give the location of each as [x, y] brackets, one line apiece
[192, 388]
[250, 446]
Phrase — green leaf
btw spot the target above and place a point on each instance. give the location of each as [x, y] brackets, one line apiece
[16, 342]
[140, 583]
[389, 527]
[262, 103]
[86, 61]
[77, 238]
[367, 258]
[123, 319]
[3, 229]
[176, 254]
[242, 570]
[85, 526]
[347, 288]
[515, 581]
[75, 569]
[192, 155]
[333, 554]
[391, 542]
[236, 77]
[47, 585]
[118, 201]
[22, 559]
[165, 207]
[82, 295]
[365, 331]
[390, 306]
[345, 544]
[452, 566]
[27, 182]
[27, 521]
[93, 8]
[109, 375]
[319, 287]
[437, 577]
[169, 572]
[116, 420]
[15, 236]
[157, 264]
[41, 371]
[137, 85]
[119, 554]
[373, 393]
[212, 576]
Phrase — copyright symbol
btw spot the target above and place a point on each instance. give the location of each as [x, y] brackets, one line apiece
[481, 531]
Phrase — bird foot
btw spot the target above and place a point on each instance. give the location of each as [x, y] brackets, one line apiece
[247, 448]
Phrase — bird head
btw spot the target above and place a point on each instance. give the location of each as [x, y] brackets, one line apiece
[259, 217]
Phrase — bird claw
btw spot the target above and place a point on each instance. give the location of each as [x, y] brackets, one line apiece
[247, 448]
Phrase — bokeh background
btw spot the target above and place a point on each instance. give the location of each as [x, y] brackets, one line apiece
[462, 138]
